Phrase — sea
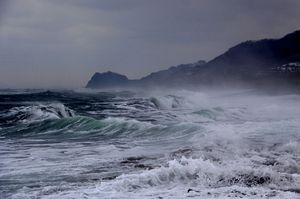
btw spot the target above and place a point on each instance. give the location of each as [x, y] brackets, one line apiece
[158, 144]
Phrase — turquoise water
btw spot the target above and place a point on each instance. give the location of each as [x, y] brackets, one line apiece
[162, 144]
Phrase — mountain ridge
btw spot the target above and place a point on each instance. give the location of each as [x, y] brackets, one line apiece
[249, 62]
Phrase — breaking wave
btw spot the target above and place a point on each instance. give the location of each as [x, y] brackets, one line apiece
[182, 145]
[37, 113]
[203, 172]
[199, 178]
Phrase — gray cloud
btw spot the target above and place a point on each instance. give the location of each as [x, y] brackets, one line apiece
[60, 43]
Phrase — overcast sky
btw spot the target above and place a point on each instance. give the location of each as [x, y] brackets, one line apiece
[61, 43]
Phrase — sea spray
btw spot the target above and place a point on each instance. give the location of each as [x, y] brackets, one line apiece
[149, 145]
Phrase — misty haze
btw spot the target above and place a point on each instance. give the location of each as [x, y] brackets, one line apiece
[133, 99]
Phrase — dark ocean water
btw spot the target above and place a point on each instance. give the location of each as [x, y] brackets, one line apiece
[163, 144]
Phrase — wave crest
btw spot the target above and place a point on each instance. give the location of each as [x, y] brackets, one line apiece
[38, 112]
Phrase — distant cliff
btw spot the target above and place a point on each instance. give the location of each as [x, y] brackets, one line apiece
[107, 79]
[174, 76]
[252, 59]
[251, 62]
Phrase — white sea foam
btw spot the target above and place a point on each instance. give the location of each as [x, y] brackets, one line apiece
[39, 112]
[188, 178]
[203, 145]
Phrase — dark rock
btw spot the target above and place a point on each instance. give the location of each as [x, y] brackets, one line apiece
[107, 80]
[192, 190]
